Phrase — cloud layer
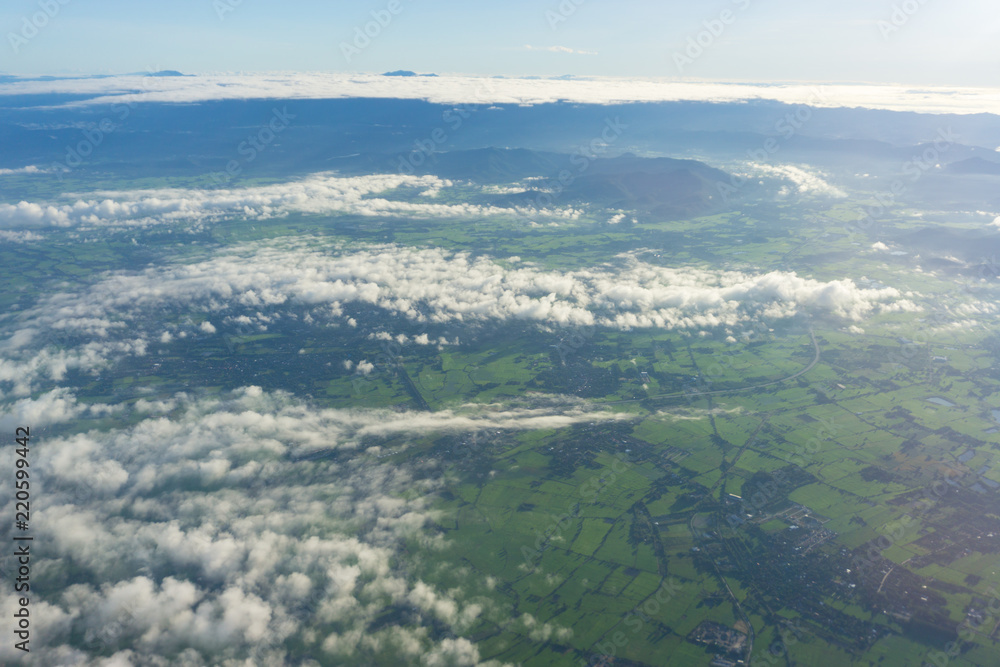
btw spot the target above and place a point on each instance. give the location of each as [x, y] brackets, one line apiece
[481, 90]
[315, 282]
[443, 286]
[318, 194]
[216, 539]
[30, 169]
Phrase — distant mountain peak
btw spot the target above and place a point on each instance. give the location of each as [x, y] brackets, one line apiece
[974, 165]
[405, 72]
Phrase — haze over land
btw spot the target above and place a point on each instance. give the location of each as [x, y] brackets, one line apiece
[328, 369]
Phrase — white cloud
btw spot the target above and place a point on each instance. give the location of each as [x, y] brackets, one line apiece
[54, 407]
[439, 285]
[207, 538]
[502, 189]
[19, 237]
[483, 90]
[805, 181]
[543, 632]
[30, 169]
[310, 277]
[23, 367]
[321, 193]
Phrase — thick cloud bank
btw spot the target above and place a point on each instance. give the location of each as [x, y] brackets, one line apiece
[481, 90]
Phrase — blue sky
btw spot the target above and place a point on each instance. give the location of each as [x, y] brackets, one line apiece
[929, 42]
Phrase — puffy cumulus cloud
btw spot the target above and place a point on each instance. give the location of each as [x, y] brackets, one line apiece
[209, 538]
[318, 194]
[485, 90]
[24, 365]
[543, 632]
[805, 181]
[19, 237]
[952, 327]
[452, 653]
[55, 407]
[287, 279]
[403, 339]
[25, 214]
[442, 286]
[962, 316]
[618, 218]
[502, 189]
[30, 169]
[975, 308]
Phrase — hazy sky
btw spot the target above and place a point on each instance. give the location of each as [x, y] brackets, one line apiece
[917, 42]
